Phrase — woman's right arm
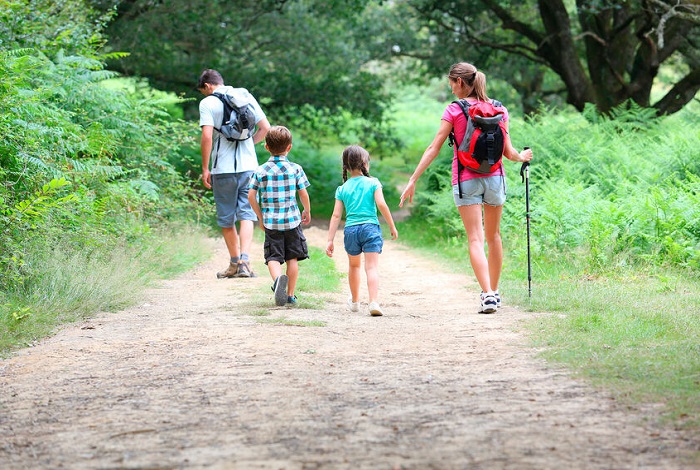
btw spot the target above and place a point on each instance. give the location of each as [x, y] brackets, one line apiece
[512, 154]
[428, 156]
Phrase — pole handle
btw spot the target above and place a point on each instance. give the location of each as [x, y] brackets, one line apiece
[524, 167]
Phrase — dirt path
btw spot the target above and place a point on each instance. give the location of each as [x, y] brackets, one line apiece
[188, 380]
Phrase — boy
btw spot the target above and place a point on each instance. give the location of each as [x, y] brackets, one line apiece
[278, 180]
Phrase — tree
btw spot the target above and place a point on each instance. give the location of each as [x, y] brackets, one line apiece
[289, 53]
[603, 51]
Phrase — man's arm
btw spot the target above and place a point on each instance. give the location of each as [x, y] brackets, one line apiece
[263, 127]
[205, 146]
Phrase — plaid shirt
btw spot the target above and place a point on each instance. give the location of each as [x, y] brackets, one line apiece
[277, 182]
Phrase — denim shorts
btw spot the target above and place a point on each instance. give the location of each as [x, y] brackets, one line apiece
[489, 190]
[231, 197]
[363, 238]
[283, 245]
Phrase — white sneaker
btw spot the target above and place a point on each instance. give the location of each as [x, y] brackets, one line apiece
[375, 310]
[488, 303]
[353, 306]
[498, 299]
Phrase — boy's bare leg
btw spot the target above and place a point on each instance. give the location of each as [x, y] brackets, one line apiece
[293, 275]
[275, 269]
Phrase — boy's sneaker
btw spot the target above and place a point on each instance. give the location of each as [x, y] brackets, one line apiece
[375, 310]
[488, 303]
[231, 271]
[498, 299]
[279, 287]
[353, 306]
[243, 270]
[291, 300]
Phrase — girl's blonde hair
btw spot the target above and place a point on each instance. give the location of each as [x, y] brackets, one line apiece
[471, 77]
[355, 158]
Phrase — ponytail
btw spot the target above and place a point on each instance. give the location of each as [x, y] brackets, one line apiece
[480, 87]
[471, 77]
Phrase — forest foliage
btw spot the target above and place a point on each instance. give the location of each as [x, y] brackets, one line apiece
[86, 166]
[83, 167]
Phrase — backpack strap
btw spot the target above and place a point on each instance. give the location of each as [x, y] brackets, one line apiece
[227, 109]
[464, 106]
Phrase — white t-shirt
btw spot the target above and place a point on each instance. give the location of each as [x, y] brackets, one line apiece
[227, 156]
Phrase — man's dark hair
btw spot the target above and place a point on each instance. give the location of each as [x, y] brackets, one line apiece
[210, 76]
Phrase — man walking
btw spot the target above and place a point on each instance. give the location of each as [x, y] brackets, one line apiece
[227, 167]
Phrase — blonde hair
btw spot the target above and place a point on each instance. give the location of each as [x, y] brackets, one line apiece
[355, 158]
[278, 139]
[471, 77]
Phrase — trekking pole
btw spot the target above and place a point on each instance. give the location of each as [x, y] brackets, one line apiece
[525, 175]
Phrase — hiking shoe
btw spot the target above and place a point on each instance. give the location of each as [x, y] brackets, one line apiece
[244, 270]
[498, 299]
[353, 306]
[228, 272]
[375, 310]
[291, 300]
[280, 289]
[488, 303]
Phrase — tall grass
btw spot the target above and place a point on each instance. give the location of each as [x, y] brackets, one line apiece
[70, 285]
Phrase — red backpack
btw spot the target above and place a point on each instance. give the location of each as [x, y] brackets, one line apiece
[482, 147]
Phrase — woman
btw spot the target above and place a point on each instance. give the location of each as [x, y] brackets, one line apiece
[477, 190]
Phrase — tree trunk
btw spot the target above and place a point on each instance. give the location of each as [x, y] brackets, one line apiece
[559, 50]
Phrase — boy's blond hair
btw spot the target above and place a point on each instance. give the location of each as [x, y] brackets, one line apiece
[278, 139]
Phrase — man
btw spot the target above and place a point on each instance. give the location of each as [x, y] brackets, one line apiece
[232, 163]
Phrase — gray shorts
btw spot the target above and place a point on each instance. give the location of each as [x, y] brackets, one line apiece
[231, 197]
[489, 190]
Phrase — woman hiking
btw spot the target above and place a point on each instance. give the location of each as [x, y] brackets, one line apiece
[479, 197]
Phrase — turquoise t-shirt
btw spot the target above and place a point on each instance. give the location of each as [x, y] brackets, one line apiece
[357, 194]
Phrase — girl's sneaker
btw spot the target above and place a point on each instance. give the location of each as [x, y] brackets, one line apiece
[291, 300]
[353, 306]
[489, 304]
[498, 299]
[375, 310]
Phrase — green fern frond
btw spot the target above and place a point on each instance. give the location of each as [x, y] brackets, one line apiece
[13, 53]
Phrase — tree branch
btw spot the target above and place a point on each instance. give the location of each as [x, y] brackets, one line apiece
[509, 22]
[681, 94]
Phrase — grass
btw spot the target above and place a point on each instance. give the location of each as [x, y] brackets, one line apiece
[633, 332]
[70, 286]
[287, 322]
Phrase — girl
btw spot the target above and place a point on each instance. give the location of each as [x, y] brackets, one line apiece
[360, 196]
[479, 192]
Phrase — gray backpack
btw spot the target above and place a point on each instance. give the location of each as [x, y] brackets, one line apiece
[239, 119]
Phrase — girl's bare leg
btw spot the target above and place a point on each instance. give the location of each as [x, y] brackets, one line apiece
[372, 272]
[354, 276]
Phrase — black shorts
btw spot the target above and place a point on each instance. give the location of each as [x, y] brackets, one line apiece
[283, 245]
